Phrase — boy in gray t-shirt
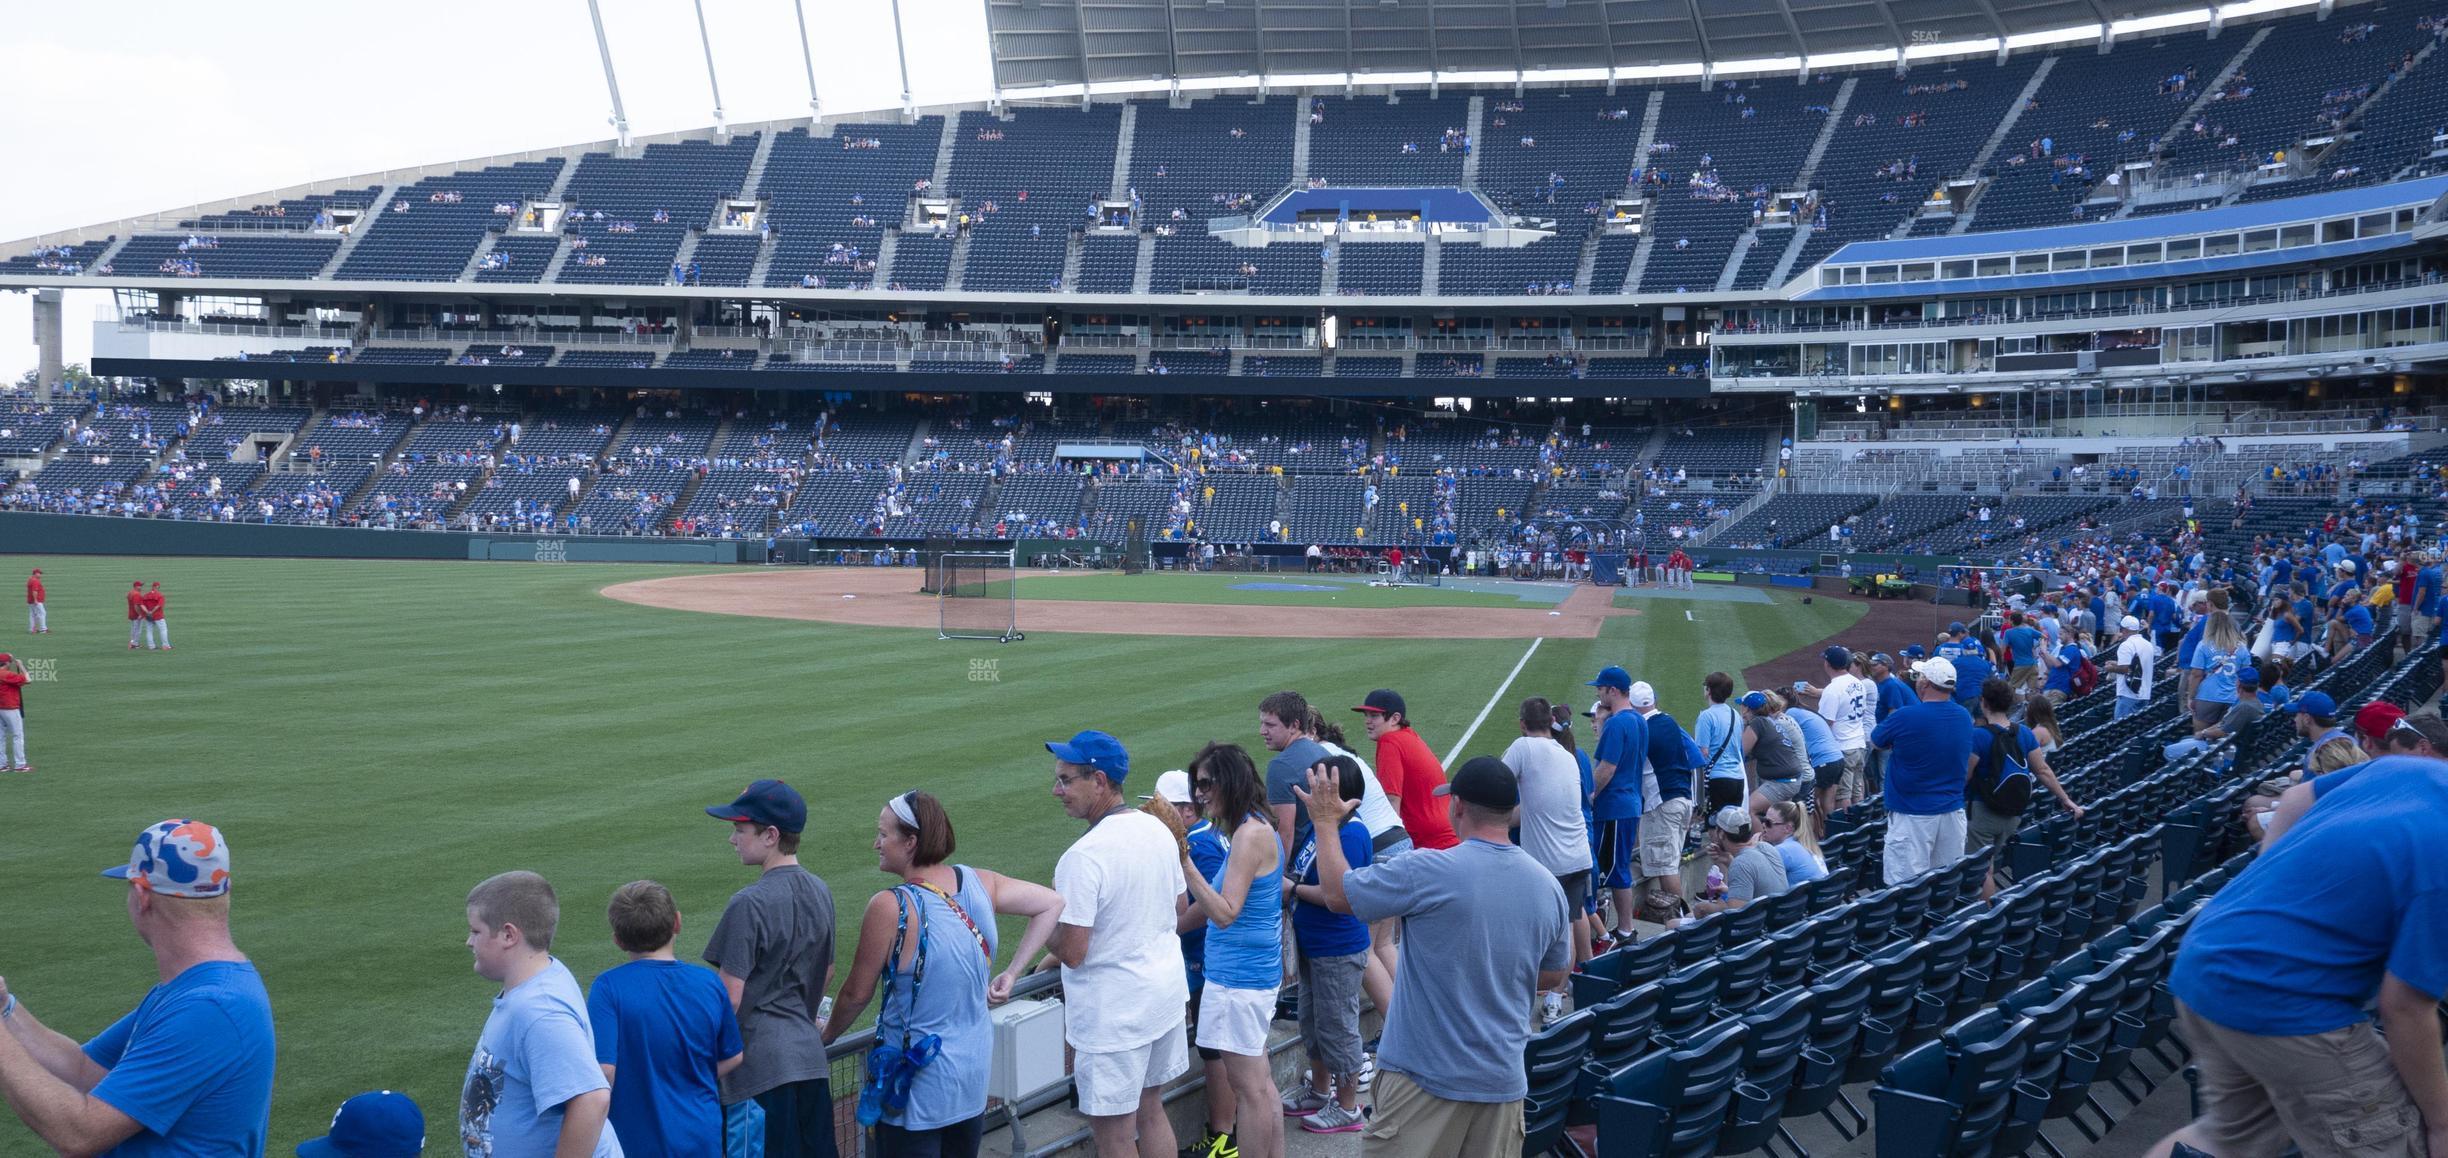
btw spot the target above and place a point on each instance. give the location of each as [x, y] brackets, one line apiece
[774, 949]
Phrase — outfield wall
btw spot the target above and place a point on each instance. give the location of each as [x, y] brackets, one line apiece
[27, 533]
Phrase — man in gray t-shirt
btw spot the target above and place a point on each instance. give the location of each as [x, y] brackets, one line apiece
[1450, 1078]
[1753, 870]
[2242, 714]
[774, 949]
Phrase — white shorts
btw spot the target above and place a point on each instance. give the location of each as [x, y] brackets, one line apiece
[1917, 844]
[1109, 1084]
[1235, 1020]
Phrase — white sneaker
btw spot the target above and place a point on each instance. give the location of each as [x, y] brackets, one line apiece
[1368, 1071]
[1303, 1101]
[1551, 1009]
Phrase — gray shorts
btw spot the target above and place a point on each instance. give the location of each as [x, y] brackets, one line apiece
[1330, 1009]
[1984, 828]
[1781, 791]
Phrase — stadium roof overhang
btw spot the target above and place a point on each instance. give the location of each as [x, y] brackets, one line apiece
[1067, 47]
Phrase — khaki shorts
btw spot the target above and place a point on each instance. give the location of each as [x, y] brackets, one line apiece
[1663, 830]
[1410, 1122]
[2023, 679]
[2335, 1094]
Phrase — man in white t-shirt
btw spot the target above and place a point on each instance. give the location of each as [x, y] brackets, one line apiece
[1552, 830]
[1849, 704]
[1124, 984]
[2136, 656]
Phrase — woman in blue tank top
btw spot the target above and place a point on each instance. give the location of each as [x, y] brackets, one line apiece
[930, 942]
[1244, 963]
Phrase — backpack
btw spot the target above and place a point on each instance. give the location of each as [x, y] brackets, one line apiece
[2086, 677]
[2003, 781]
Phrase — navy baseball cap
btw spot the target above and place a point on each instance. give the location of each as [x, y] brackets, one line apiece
[1838, 656]
[2316, 704]
[1484, 781]
[767, 804]
[1882, 659]
[1955, 628]
[379, 1124]
[1094, 750]
[2249, 676]
[1383, 702]
[1915, 651]
[1613, 677]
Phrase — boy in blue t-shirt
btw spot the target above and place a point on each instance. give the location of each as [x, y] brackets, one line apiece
[665, 1032]
[1332, 955]
[533, 1086]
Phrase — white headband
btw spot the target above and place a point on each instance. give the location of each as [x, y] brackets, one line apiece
[901, 808]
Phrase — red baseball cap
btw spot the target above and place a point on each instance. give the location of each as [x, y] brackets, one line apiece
[2374, 720]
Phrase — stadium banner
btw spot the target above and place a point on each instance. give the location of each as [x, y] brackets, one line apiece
[31, 533]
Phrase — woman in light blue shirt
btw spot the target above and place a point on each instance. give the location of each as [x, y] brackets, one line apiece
[930, 942]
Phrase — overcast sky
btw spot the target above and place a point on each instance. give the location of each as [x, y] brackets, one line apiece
[120, 108]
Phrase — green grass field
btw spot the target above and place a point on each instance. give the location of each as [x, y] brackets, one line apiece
[1343, 591]
[374, 738]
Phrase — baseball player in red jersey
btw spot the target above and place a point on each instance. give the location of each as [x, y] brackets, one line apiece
[12, 715]
[136, 615]
[157, 617]
[38, 621]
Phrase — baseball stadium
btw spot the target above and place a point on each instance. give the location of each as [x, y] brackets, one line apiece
[1764, 373]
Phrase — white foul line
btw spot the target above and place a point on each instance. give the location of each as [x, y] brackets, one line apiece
[1468, 732]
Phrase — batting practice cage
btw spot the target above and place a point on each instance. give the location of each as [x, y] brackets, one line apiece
[977, 596]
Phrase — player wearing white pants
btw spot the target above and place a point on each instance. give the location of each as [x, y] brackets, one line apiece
[12, 716]
[157, 633]
[37, 621]
[137, 633]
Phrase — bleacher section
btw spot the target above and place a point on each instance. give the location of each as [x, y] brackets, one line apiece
[428, 236]
[2297, 87]
[2042, 172]
[1360, 141]
[1901, 138]
[844, 190]
[265, 255]
[619, 198]
[1740, 159]
[1032, 170]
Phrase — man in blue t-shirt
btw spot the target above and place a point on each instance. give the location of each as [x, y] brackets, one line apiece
[1972, 669]
[2023, 643]
[1666, 799]
[1894, 695]
[1332, 955]
[1615, 770]
[2276, 973]
[665, 1033]
[190, 1071]
[1929, 761]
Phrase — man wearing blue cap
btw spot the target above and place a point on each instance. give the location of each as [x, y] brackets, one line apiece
[774, 949]
[1124, 988]
[1615, 805]
[190, 1071]
[375, 1124]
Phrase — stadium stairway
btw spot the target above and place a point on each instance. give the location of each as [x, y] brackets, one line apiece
[960, 260]
[2201, 100]
[885, 250]
[348, 244]
[1470, 158]
[603, 459]
[1980, 161]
